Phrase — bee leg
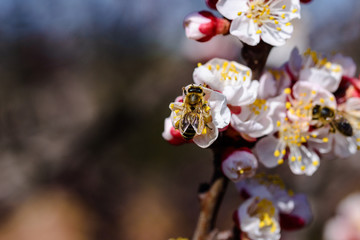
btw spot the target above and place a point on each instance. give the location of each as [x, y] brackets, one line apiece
[332, 128]
[208, 126]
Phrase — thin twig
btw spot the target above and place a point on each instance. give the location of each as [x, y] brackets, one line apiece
[210, 200]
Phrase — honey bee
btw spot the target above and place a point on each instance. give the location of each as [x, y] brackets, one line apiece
[326, 115]
[195, 113]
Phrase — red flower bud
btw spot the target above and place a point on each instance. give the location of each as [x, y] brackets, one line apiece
[202, 26]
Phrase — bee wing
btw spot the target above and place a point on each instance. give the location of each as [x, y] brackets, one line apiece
[197, 122]
[185, 121]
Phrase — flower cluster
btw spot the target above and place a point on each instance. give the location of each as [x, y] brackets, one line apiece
[249, 20]
[307, 108]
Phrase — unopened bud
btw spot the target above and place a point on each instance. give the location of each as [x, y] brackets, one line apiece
[211, 3]
[202, 26]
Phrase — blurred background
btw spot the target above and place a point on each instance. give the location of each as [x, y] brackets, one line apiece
[84, 90]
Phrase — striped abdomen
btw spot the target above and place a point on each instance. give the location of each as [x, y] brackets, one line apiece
[189, 133]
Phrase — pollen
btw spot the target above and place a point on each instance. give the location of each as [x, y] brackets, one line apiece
[293, 158]
[277, 153]
[288, 105]
[280, 161]
[283, 152]
[172, 106]
[288, 24]
[294, 10]
[322, 100]
[249, 15]
[315, 163]
[283, 16]
[313, 92]
[258, 31]
[302, 168]
[276, 22]
[204, 131]
[217, 67]
[325, 139]
[209, 67]
[278, 28]
[239, 13]
[244, 78]
[287, 90]
[177, 111]
[278, 123]
[207, 109]
[283, 6]
[199, 64]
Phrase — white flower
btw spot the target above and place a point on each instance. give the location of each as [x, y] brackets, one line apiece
[268, 205]
[230, 78]
[268, 20]
[317, 69]
[294, 210]
[259, 219]
[239, 164]
[200, 116]
[202, 26]
[295, 140]
[170, 134]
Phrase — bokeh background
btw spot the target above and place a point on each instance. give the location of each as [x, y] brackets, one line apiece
[84, 90]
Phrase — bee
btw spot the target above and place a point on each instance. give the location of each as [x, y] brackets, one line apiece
[195, 113]
[336, 121]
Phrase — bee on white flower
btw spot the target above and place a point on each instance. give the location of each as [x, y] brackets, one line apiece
[200, 115]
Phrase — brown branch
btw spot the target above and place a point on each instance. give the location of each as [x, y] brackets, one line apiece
[255, 57]
[210, 200]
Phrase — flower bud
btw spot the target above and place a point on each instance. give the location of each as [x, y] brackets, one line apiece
[211, 3]
[239, 164]
[202, 26]
[305, 1]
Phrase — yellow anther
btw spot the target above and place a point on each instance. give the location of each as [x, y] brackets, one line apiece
[209, 67]
[299, 158]
[328, 65]
[248, 73]
[280, 161]
[207, 109]
[172, 105]
[244, 78]
[322, 100]
[313, 92]
[276, 22]
[283, 16]
[239, 13]
[241, 171]
[278, 123]
[287, 90]
[302, 168]
[277, 153]
[177, 111]
[271, 18]
[332, 98]
[325, 139]
[199, 64]
[358, 139]
[294, 10]
[217, 66]
[283, 152]
[283, 6]
[255, 20]
[293, 158]
[315, 163]
[249, 15]
[288, 105]
[278, 28]
[258, 31]
[307, 137]
[204, 131]
[252, 7]
[314, 135]
[288, 24]
[303, 139]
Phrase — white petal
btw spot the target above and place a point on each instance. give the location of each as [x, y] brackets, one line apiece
[295, 62]
[219, 111]
[329, 81]
[271, 35]
[205, 140]
[347, 63]
[302, 208]
[230, 8]
[344, 146]
[309, 163]
[167, 126]
[245, 29]
[265, 149]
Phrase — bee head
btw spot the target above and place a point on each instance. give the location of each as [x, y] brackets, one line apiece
[316, 112]
[327, 112]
